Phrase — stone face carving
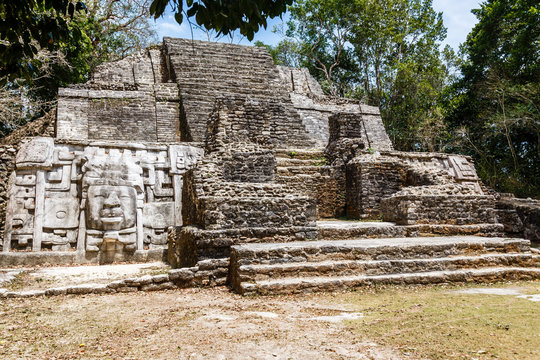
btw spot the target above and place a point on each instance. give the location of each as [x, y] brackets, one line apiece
[112, 210]
[95, 197]
[112, 184]
[111, 207]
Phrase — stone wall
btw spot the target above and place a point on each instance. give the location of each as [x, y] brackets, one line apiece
[147, 113]
[129, 99]
[250, 167]
[433, 207]
[365, 125]
[368, 182]
[520, 217]
[321, 182]
[237, 119]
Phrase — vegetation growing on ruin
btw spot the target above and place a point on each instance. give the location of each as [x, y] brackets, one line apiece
[47, 44]
[481, 102]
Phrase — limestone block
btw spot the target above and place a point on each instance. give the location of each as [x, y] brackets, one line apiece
[158, 215]
[161, 278]
[61, 213]
[36, 153]
[183, 274]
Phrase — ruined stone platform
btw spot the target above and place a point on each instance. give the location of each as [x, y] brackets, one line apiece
[334, 265]
[237, 170]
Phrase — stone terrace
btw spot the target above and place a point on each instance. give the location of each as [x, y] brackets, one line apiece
[237, 169]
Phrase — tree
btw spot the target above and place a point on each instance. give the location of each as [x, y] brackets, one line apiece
[102, 30]
[386, 53]
[224, 16]
[324, 27]
[493, 108]
[28, 26]
[286, 52]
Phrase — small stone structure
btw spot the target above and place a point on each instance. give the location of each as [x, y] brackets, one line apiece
[226, 163]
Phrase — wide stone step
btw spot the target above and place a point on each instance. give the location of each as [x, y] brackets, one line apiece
[247, 63]
[301, 170]
[221, 75]
[299, 153]
[346, 229]
[374, 249]
[304, 182]
[252, 273]
[238, 58]
[313, 284]
[286, 162]
[198, 86]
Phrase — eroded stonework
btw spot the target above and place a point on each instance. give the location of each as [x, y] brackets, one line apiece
[192, 147]
[93, 196]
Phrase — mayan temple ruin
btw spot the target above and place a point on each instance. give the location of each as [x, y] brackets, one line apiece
[236, 171]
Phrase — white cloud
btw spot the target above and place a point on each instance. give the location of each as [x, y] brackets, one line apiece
[172, 28]
[457, 18]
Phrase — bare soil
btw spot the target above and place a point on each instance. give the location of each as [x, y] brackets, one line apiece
[474, 321]
[209, 323]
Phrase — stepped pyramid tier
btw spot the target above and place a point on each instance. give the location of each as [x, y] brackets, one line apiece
[333, 265]
[232, 196]
[235, 170]
[315, 108]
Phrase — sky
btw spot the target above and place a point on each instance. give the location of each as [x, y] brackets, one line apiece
[457, 18]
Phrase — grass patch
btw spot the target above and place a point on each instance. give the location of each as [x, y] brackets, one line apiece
[440, 323]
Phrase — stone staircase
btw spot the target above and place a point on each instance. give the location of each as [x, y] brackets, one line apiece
[328, 265]
[348, 230]
[349, 254]
[307, 171]
[224, 70]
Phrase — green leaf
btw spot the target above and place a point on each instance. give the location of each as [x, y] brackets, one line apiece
[178, 17]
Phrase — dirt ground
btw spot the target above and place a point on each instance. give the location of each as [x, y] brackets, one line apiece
[56, 276]
[470, 321]
[183, 324]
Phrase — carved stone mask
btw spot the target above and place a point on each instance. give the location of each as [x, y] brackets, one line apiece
[111, 207]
